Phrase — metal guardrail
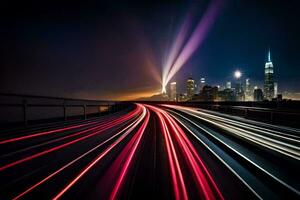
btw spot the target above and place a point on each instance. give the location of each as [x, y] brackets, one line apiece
[288, 117]
[285, 113]
[27, 101]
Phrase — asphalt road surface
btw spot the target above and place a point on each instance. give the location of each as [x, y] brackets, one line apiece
[151, 152]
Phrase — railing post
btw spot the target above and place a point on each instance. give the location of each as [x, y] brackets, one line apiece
[25, 119]
[113, 107]
[65, 111]
[99, 110]
[84, 111]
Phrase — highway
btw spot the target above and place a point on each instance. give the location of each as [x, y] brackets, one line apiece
[151, 152]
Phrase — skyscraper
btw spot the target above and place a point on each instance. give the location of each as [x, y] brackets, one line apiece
[239, 91]
[248, 91]
[228, 85]
[275, 89]
[173, 92]
[258, 94]
[269, 78]
[202, 84]
[190, 88]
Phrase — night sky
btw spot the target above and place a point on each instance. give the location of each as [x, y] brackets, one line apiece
[115, 49]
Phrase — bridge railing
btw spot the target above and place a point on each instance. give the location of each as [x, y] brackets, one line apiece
[285, 113]
[24, 109]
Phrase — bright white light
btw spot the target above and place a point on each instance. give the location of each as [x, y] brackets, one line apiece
[163, 89]
[183, 48]
[237, 74]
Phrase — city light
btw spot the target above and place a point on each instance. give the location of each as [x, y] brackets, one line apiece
[176, 58]
[150, 100]
[163, 89]
[237, 74]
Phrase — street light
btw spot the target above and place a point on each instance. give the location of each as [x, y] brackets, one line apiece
[237, 74]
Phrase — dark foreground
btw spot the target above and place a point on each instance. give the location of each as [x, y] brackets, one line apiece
[151, 152]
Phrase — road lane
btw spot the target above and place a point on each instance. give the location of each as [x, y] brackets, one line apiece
[151, 152]
[264, 169]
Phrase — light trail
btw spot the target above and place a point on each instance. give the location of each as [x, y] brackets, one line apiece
[106, 127]
[176, 173]
[254, 135]
[44, 133]
[99, 126]
[244, 123]
[232, 148]
[133, 124]
[195, 155]
[131, 146]
[214, 152]
[202, 175]
[96, 160]
[199, 168]
[25, 137]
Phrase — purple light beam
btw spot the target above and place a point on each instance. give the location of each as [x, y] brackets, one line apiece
[197, 37]
[177, 45]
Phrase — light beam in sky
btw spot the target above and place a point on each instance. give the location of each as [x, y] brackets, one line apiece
[175, 61]
[176, 46]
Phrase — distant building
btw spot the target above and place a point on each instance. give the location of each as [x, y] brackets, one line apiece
[275, 89]
[201, 84]
[221, 87]
[173, 92]
[182, 97]
[239, 91]
[228, 85]
[248, 91]
[209, 93]
[269, 79]
[190, 88]
[258, 94]
[226, 95]
[247, 88]
[238, 87]
[279, 97]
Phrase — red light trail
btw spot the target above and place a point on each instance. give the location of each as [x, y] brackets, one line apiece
[197, 167]
[133, 124]
[101, 129]
[188, 161]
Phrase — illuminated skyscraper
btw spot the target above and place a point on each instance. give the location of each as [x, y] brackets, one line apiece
[269, 79]
[202, 84]
[275, 89]
[228, 85]
[239, 91]
[173, 92]
[190, 88]
[248, 91]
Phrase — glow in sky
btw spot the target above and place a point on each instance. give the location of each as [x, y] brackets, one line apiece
[237, 74]
[176, 58]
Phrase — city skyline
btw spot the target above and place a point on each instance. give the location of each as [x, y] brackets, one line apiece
[223, 83]
[160, 99]
[60, 48]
